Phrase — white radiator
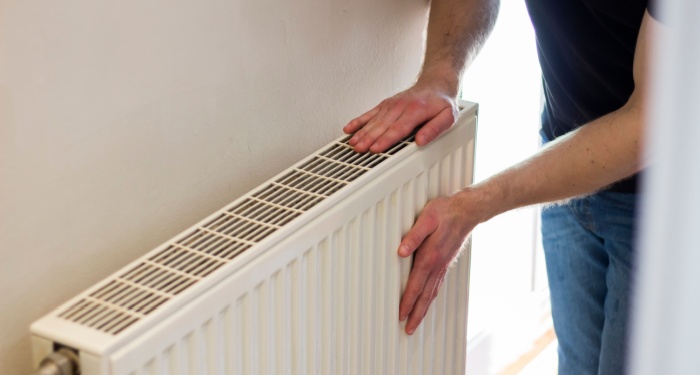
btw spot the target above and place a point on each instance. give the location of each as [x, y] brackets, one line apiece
[300, 276]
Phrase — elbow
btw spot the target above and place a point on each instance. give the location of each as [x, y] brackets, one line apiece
[492, 12]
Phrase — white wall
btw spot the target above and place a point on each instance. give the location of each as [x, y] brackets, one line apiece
[124, 122]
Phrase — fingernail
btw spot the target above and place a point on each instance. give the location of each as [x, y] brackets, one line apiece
[420, 139]
[410, 331]
[403, 250]
[402, 318]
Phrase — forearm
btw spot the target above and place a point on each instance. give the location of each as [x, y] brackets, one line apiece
[456, 31]
[581, 162]
[585, 160]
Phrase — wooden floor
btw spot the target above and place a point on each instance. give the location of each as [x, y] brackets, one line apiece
[540, 360]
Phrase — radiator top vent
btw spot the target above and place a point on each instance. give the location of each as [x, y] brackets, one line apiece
[134, 294]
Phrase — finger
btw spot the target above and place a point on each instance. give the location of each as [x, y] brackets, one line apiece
[422, 304]
[433, 128]
[358, 135]
[424, 227]
[357, 123]
[376, 127]
[426, 260]
[401, 128]
[414, 287]
[361, 134]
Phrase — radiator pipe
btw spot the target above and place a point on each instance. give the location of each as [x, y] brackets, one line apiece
[62, 362]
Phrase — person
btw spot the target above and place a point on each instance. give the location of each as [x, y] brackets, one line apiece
[592, 54]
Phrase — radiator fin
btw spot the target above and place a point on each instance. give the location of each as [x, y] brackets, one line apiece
[317, 313]
[264, 286]
[141, 290]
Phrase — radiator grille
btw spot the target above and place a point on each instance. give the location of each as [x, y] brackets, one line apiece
[326, 301]
[136, 293]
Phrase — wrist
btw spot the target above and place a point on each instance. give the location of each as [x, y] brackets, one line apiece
[442, 77]
[482, 201]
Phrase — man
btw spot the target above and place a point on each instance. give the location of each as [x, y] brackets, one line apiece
[592, 54]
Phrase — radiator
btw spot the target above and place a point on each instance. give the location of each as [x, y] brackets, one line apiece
[299, 276]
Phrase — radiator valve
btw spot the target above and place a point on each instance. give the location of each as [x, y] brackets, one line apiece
[62, 362]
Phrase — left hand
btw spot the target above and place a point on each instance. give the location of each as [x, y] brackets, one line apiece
[429, 104]
[436, 237]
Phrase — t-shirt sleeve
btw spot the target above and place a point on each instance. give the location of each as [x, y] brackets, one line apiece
[653, 9]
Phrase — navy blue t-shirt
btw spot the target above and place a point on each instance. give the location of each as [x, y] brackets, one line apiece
[586, 51]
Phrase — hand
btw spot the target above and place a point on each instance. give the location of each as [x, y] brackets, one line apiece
[437, 236]
[428, 102]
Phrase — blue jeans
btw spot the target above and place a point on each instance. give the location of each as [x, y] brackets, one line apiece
[588, 245]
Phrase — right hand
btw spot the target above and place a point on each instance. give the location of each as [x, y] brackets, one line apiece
[395, 118]
[436, 239]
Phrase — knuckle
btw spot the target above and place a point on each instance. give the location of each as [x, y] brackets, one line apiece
[365, 130]
[416, 105]
[364, 136]
[430, 216]
[432, 259]
[388, 102]
[412, 293]
[430, 132]
[402, 128]
[433, 218]
[385, 124]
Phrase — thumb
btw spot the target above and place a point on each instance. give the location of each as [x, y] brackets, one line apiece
[424, 227]
[433, 128]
